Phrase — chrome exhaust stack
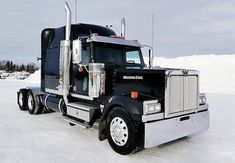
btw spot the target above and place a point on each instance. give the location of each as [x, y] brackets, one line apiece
[65, 56]
[68, 21]
[123, 28]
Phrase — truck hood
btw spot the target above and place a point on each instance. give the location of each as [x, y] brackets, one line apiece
[149, 81]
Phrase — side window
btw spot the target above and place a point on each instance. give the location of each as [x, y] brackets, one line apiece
[133, 57]
[52, 62]
[85, 55]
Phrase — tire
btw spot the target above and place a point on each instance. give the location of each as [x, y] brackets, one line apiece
[120, 131]
[33, 106]
[21, 99]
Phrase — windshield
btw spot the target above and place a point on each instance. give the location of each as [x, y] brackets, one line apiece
[117, 55]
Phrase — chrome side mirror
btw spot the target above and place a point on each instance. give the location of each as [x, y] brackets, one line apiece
[77, 51]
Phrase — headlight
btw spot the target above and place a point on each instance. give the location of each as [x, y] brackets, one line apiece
[150, 107]
[202, 99]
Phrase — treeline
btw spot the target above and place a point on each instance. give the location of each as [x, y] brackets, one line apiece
[9, 66]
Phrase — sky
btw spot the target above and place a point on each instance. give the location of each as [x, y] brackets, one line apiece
[181, 28]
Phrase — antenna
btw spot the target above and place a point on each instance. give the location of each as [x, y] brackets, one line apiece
[152, 36]
[123, 27]
[75, 8]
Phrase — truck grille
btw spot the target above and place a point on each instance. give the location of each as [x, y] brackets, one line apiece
[182, 93]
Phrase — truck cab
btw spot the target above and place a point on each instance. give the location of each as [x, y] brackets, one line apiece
[90, 74]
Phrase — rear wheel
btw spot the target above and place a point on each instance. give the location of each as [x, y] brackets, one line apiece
[120, 131]
[22, 100]
[33, 106]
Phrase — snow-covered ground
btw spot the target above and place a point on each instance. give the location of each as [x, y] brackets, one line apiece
[47, 138]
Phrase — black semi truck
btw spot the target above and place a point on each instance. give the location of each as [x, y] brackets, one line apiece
[91, 75]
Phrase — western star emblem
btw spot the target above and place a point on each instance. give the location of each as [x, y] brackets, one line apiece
[133, 77]
[185, 72]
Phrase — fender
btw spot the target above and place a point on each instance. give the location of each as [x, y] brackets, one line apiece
[133, 107]
[36, 94]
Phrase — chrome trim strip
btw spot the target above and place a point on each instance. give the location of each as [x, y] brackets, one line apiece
[81, 96]
[53, 91]
[150, 102]
[59, 105]
[181, 72]
[45, 101]
[80, 106]
[112, 40]
[152, 117]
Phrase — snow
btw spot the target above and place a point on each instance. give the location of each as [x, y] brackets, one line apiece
[14, 75]
[35, 78]
[47, 138]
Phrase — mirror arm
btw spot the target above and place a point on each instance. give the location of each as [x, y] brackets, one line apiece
[150, 55]
[150, 58]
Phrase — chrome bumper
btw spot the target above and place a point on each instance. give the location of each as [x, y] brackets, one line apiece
[166, 130]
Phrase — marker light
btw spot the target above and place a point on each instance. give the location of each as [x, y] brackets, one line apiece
[134, 94]
[81, 69]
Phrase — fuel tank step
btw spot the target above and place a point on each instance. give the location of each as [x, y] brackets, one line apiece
[81, 111]
[72, 121]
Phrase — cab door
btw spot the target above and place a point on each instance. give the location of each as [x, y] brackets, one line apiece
[80, 80]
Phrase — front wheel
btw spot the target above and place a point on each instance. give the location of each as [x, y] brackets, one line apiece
[120, 131]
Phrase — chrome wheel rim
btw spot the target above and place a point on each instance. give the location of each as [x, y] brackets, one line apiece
[30, 102]
[119, 131]
[21, 99]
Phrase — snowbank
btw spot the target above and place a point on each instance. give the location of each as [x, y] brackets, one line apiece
[14, 75]
[216, 71]
[34, 78]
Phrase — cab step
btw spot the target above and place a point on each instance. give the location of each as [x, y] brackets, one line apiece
[72, 121]
[80, 110]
